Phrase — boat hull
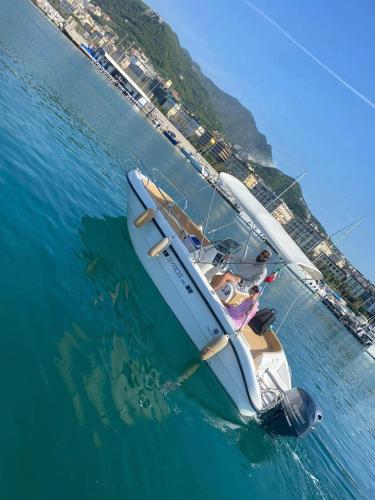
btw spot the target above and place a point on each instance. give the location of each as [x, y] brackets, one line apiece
[192, 301]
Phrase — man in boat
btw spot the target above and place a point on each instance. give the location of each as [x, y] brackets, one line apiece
[253, 275]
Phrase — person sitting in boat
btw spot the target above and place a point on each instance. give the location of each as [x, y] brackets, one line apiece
[254, 275]
[242, 313]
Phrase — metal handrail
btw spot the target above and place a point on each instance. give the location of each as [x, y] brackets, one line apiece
[168, 203]
[157, 171]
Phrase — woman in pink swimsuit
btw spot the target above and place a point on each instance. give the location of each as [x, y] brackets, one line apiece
[242, 313]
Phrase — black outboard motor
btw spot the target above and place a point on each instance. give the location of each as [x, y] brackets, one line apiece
[296, 414]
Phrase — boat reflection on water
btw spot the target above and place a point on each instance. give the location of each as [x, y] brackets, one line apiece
[133, 386]
[105, 359]
[128, 349]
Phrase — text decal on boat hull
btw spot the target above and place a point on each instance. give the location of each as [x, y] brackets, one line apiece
[177, 271]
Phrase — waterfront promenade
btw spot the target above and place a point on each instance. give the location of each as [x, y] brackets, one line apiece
[150, 111]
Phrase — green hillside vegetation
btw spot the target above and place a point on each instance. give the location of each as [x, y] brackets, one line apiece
[132, 19]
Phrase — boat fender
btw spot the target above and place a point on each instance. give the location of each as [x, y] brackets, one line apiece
[144, 217]
[214, 347]
[159, 247]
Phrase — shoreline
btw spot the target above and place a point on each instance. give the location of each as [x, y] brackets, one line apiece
[152, 114]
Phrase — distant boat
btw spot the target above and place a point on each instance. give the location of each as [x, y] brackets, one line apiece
[169, 134]
[185, 152]
[196, 164]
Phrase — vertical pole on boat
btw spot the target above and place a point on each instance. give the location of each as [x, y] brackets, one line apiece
[220, 227]
[287, 189]
[207, 218]
[248, 241]
[290, 308]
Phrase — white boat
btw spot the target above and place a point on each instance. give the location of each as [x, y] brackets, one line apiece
[252, 369]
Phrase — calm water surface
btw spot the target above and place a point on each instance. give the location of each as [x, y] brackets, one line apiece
[90, 352]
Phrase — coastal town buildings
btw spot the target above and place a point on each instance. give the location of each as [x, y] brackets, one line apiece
[50, 12]
[251, 181]
[123, 79]
[220, 151]
[323, 247]
[214, 144]
[129, 69]
[369, 302]
[75, 31]
[282, 213]
[305, 234]
[358, 285]
[187, 124]
[238, 167]
[258, 188]
[355, 288]
[170, 106]
[330, 269]
[206, 139]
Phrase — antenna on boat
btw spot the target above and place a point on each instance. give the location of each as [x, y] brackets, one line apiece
[207, 218]
[290, 308]
[287, 189]
[346, 230]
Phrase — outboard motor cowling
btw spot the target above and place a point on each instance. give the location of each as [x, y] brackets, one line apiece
[296, 414]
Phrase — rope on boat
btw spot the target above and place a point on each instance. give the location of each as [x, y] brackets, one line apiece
[290, 308]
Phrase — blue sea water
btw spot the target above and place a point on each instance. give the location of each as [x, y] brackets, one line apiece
[89, 350]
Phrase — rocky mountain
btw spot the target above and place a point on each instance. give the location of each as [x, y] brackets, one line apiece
[238, 123]
[215, 109]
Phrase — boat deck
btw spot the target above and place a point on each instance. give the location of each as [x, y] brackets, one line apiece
[259, 345]
[176, 217]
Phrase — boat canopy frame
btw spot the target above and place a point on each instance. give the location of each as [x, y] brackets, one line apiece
[274, 233]
[250, 206]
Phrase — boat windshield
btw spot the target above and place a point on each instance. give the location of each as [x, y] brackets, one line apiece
[228, 246]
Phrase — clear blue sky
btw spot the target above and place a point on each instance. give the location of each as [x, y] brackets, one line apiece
[319, 119]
